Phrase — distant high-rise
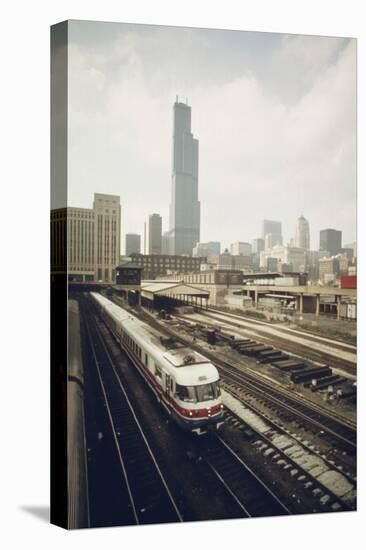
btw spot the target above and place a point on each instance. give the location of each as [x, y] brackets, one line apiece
[241, 248]
[257, 246]
[184, 227]
[210, 251]
[165, 243]
[153, 234]
[133, 243]
[331, 240]
[274, 229]
[302, 235]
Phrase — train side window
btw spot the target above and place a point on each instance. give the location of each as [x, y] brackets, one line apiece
[172, 385]
[146, 360]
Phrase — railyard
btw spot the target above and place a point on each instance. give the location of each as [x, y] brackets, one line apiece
[286, 446]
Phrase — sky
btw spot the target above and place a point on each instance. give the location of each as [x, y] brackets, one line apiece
[275, 116]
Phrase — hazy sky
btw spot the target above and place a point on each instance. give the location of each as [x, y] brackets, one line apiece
[275, 116]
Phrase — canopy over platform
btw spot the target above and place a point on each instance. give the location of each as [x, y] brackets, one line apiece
[175, 290]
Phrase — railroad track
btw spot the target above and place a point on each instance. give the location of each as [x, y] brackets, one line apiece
[344, 436]
[334, 490]
[340, 344]
[336, 430]
[283, 343]
[149, 498]
[251, 494]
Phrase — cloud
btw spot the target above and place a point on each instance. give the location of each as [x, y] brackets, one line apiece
[276, 129]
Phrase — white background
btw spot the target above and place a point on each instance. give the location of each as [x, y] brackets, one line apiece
[24, 357]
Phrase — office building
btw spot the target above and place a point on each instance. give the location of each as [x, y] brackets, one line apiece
[153, 235]
[72, 243]
[257, 246]
[302, 234]
[274, 229]
[291, 256]
[90, 238]
[353, 246]
[272, 265]
[107, 230]
[312, 265]
[165, 243]
[329, 270]
[238, 248]
[239, 261]
[331, 240]
[184, 226]
[210, 250]
[158, 265]
[133, 244]
[225, 260]
[349, 252]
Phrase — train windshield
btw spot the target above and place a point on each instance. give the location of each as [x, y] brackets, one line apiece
[208, 391]
[196, 394]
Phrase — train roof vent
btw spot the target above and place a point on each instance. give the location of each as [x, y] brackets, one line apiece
[170, 343]
[183, 357]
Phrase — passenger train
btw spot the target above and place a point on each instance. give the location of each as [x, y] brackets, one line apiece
[184, 381]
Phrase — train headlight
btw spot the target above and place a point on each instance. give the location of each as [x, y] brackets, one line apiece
[190, 413]
[221, 406]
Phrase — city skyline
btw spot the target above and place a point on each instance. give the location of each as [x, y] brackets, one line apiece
[287, 99]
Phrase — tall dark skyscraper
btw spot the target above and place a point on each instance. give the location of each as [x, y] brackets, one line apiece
[330, 240]
[184, 229]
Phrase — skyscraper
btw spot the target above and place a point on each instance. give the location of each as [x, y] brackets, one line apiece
[184, 227]
[107, 229]
[274, 229]
[133, 244]
[153, 234]
[302, 235]
[330, 240]
[257, 246]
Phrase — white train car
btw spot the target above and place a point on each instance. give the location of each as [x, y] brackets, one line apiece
[184, 381]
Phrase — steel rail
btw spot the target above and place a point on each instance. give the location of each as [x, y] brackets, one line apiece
[267, 389]
[123, 468]
[138, 424]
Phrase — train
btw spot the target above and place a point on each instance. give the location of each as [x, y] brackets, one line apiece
[184, 381]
